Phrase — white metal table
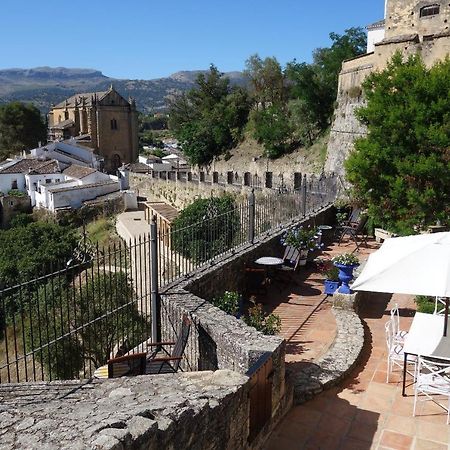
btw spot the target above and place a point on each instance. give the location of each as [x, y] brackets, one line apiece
[425, 338]
[269, 261]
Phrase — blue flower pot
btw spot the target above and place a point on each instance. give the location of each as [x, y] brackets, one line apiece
[330, 286]
[345, 276]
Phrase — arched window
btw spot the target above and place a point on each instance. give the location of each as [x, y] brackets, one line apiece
[113, 124]
[430, 10]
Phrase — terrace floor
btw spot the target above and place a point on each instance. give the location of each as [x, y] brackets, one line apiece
[364, 412]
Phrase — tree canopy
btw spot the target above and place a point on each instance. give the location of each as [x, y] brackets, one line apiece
[28, 249]
[206, 228]
[21, 128]
[210, 118]
[281, 108]
[401, 169]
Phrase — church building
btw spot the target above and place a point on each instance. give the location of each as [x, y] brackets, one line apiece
[103, 121]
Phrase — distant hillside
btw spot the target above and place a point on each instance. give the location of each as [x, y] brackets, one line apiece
[45, 85]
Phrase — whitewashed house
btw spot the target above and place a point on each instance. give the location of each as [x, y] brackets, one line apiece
[51, 184]
[69, 152]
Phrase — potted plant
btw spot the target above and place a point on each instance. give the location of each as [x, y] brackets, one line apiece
[331, 280]
[346, 263]
[331, 274]
[301, 238]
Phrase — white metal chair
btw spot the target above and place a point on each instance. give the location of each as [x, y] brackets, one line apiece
[438, 303]
[433, 380]
[399, 335]
[395, 355]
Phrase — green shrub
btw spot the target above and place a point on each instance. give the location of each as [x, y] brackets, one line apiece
[425, 304]
[16, 193]
[228, 302]
[206, 228]
[256, 318]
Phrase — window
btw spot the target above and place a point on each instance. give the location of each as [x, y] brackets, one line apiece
[113, 124]
[14, 184]
[47, 181]
[430, 10]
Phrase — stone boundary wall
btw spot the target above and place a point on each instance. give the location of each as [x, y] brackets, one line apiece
[341, 357]
[200, 411]
[180, 192]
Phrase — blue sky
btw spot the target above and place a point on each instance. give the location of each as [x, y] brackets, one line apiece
[146, 39]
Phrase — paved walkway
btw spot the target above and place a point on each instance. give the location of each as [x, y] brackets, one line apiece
[364, 412]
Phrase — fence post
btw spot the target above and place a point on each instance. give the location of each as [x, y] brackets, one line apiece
[251, 217]
[304, 195]
[154, 291]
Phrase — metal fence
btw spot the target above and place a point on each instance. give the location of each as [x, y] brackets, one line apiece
[182, 250]
[66, 323]
[79, 313]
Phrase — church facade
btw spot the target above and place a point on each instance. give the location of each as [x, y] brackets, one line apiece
[103, 121]
[409, 26]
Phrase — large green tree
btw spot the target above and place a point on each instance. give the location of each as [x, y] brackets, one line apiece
[21, 128]
[266, 81]
[401, 170]
[210, 118]
[316, 84]
[206, 228]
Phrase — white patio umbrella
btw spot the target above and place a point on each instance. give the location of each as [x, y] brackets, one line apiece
[417, 265]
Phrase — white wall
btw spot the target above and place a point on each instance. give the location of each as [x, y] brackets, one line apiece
[6, 180]
[75, 197]
[35, 182]
[66, 153]
[42, 199]
[373, 37]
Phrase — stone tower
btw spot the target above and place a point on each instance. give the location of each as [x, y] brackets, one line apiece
[104, 121]
[411, 27]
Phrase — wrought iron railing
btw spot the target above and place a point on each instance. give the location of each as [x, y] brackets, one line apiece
[79, 313]
[66, 323]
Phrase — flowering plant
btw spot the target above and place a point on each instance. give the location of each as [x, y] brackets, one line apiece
[301, 238]
[327, 269]
[346, 259]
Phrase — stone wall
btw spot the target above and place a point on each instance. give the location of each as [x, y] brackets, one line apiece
[201, 411]
[218, 340]
[11, 205]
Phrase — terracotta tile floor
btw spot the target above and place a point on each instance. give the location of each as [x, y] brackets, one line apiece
[364, 412]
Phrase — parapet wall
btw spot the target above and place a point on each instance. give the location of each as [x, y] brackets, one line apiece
[201, 411]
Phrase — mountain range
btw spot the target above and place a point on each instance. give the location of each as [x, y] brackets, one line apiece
[43, 86]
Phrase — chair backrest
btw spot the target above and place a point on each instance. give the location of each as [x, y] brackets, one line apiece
[395, 317]
[180, 344]
[437, 371]
[354, 216]
[438, 303]
[291, 257]
[389, 330]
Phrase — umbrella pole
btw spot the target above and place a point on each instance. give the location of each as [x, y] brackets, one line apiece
[446, 316]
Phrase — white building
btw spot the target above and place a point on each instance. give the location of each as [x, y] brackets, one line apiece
[51, 184]
[375, 34]
[69, 152]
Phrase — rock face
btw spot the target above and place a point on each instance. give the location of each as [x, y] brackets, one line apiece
[346, 129]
